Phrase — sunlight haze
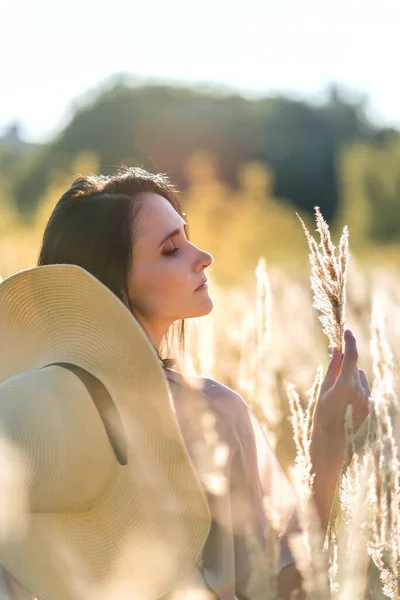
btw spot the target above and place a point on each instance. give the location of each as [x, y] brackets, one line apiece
[52, 53]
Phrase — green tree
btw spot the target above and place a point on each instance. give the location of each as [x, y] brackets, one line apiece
[370, 191]
[159, 127]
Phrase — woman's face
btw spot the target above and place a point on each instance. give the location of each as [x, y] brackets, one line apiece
[165, 270]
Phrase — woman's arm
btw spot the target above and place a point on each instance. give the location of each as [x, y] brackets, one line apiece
[256, 473]
[344, 384]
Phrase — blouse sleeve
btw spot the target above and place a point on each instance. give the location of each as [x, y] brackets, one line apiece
[257, 475]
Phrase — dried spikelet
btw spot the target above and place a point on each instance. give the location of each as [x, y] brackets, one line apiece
[245, 380]
[298, 417]
[310, 560]
[328, 279]
[383, 364]
[375, 547]
[343, 266]
[263, 308]
[307, 549]
[313, 396]
[352, 558]
[303, 471]
[263, 582]
[331, 546]
[385, 481]
[383, 396]
[253, 379]
[390, 584]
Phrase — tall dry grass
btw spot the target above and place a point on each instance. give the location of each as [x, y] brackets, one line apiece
[260, 356]
[257, 340]
[328, 278]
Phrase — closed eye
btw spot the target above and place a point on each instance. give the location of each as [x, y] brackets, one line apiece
[171, 252]
[172, 234]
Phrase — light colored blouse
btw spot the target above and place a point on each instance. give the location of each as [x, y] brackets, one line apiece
[250, 471]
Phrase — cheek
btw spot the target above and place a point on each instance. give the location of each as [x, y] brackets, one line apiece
[155, 289]
[167, 288]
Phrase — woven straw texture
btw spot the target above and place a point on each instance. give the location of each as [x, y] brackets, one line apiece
[146, 521]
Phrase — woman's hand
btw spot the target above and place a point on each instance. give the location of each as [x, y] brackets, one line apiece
[344, 384]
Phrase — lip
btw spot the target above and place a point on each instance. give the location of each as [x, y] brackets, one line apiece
[203, 286]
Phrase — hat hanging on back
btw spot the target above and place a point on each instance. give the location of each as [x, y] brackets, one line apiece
[85, 404]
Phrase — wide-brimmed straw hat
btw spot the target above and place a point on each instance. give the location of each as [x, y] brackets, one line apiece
[114, 502]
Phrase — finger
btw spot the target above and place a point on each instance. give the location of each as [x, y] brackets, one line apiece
[357, 378]
[361, 410]
[333, 370]
[349, 363]
[364, 382]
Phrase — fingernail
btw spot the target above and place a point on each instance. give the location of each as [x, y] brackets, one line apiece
[349, 333]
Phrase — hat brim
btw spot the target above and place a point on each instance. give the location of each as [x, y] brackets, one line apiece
[61, 313]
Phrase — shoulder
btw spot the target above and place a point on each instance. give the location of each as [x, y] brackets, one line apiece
[214, 390]
[212, 387]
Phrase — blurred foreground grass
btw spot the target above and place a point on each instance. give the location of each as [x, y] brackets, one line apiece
[263, 331]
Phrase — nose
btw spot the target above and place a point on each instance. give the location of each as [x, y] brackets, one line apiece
[204, 260]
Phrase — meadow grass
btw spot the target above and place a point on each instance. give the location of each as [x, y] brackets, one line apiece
[265, 340]
[361, 557]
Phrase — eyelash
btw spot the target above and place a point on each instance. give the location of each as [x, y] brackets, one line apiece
[171, 252]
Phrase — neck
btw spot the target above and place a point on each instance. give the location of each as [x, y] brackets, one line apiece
[154, 331]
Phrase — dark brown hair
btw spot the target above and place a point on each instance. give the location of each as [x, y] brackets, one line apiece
[94, 226]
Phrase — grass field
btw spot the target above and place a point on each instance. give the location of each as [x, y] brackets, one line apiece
[264, 334]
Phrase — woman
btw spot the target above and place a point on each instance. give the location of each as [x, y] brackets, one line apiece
[128, 230]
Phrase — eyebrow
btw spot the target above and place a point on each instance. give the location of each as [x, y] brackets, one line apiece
[173, 233]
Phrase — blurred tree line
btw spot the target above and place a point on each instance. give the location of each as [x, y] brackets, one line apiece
[254, 161]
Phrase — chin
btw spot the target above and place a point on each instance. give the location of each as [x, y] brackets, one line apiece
[208, 310]
[201, 311]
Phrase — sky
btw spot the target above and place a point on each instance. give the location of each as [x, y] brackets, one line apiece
[53, 53]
